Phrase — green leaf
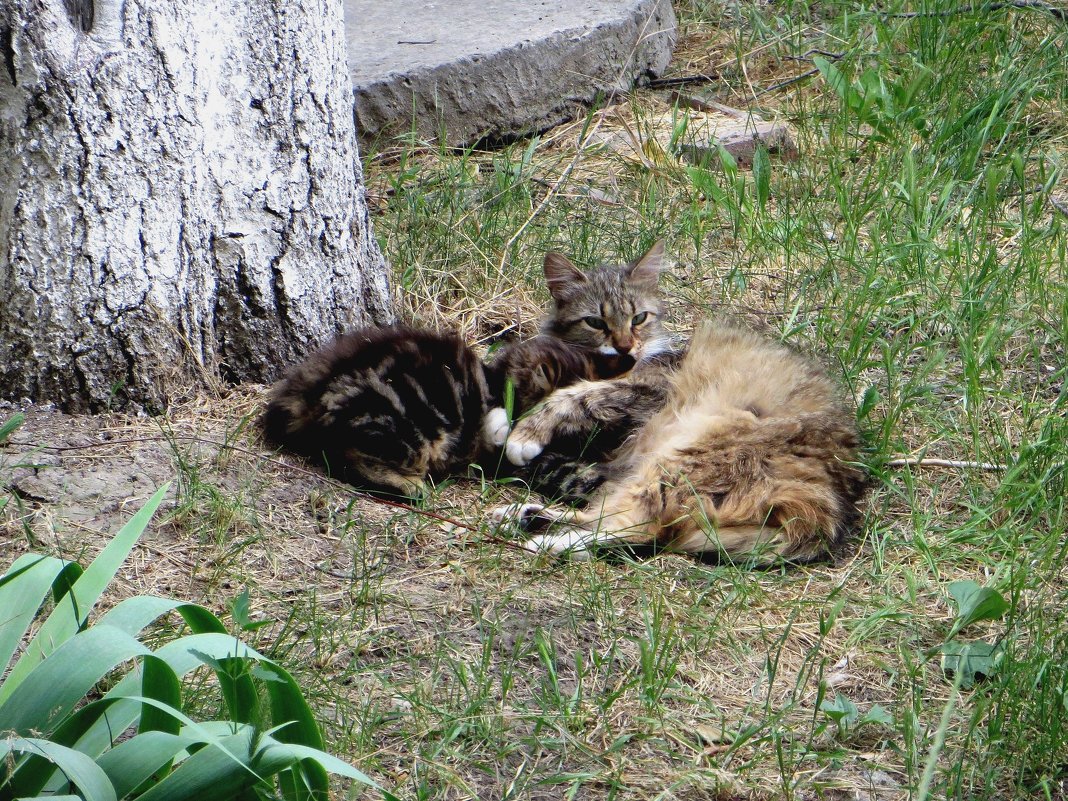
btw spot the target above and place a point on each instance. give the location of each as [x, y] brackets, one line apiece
[80, 770]
[22, 591]
[877, 714]
[273, 754]
[218, 772]
[974, 661]
[833, 76]
[868, 402]
[974, 604]
[841, 710]
[509, 400]
[70, 615]
[239, 610]
[53, 689]
[132, 615]
[727, 161]
[132, 762]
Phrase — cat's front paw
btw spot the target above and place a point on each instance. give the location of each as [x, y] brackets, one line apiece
[496, 427]
[521, 450]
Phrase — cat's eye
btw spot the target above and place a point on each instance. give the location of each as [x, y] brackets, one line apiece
[638, 319]
[595, 323]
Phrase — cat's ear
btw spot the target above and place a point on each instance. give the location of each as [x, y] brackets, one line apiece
[561, 275]
[646, 270]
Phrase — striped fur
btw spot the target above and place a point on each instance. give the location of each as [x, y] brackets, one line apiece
[386, 409]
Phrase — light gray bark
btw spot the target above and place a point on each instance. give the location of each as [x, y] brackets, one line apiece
[180, 196]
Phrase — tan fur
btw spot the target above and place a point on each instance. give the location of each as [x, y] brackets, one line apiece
[752, 456]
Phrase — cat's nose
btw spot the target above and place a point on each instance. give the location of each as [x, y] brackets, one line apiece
[623, 348]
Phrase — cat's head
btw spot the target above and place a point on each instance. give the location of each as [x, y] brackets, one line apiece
[615, 309]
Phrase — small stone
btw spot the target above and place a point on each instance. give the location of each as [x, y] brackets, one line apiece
[738, 132]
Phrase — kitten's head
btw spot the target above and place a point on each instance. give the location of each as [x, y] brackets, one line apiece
[615, 309]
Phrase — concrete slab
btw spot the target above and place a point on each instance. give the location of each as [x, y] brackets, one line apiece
[496, 68]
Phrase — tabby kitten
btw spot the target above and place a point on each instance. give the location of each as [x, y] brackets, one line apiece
[385, 409]
[741, 447]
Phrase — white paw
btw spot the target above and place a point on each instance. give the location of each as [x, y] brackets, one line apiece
[571, 543]
[515, 511]
[521, 451]
[495, 427]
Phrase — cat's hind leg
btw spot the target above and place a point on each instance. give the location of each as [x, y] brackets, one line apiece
[587, 532]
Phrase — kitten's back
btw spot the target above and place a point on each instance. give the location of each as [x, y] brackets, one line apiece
[383, 408]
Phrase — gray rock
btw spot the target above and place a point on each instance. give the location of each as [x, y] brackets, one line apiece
[738, 132]
[496, 68]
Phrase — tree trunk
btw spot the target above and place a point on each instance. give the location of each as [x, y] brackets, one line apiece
[180, 196]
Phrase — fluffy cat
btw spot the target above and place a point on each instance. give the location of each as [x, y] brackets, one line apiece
[386, 408]
[741, 447]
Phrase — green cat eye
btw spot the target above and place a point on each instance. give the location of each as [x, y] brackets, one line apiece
[639, 318]
[595, 322]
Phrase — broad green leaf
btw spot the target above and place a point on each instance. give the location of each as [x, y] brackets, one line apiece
[833, 76]
[215, 773]
[972, 660]
[841, 710]
[272, 755]
[8, 428]
[159, 682]
[93, 729]
[130, 763]
[729, 163]
[288, 706]
[150, 678]
[22, 591]
[69, 616]
[239, 611]
[80, 770]
[868, 402]
[975, 603]
[181, 657]
[56, 685]
[132, 615]
[877, 714]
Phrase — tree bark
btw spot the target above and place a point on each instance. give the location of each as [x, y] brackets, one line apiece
[180, 196]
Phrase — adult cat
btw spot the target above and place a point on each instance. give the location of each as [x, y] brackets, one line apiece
[741, 446]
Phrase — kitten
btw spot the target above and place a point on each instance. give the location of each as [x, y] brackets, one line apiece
[740, 447]
[385, 409]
